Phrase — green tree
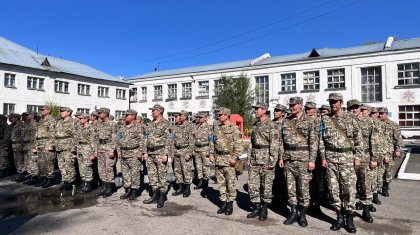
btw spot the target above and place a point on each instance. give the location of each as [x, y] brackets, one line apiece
[237, 95]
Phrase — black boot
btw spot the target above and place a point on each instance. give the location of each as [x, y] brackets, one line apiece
[222, 209]
[134, 194]
[205, 184]
[4, 173]
[161, 199]
[18, 177]
[366, 214]
[302, 217]
[349, 222]
[29, 179]
[199, 184]
[372, 208]
[126, 194]
[255, 212]
[41, 181]
[359, 205]
[187, 190]
[65, 186]
[376, 199]
[263, 212]
[153, 198]
[101, 193]
[87, 187]
[48, 183]
[109, 190]
[292, 217]
[229, 208]
[385, 188]
[179, 191]
[340, 221]
[33, 181]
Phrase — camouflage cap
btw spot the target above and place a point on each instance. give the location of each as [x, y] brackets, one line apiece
[140, 117]
[131, 112]
[32, 113]
[14, 115]
[382, 110]
[365, 107]
[353, 102]
[373, 109]
[103, 110]
[159, 107]
[94, 113]
[280, 107]
[310, 104]
[335, 96]
[66, 109]
[45, 107]
[183, 112]
[84, 116]
[223, 110]
[260, 105]
[296, 100]
[175, 114]
[201, 115]
[327, 107]
[24, 114]
[78, 114]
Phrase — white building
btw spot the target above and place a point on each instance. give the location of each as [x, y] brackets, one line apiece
[380, 74]
[31, 80]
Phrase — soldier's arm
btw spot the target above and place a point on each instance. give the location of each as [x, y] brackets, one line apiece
[142, 140]
[113, 143]
[168, 140]
[357, 140]
[397, 137]
[211, 141]
[191, 140]
[274, 144]
[313, 142]
[321, 144]
[52, 128]
[238, 146]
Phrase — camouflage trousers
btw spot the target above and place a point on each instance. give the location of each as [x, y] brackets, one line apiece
[85, 165]
[202, 165]
[226, 182]
[318, 186]
[342, 185]
[388, 167]
[106, 166]
[364, 178]
[156, 171]
[45, 163]
[259, 177]
[182, 170]
[4, 161]
[131, 169]
[19, 158]
[297, 179]
[376, 179]
[66, 165]
[31, 162]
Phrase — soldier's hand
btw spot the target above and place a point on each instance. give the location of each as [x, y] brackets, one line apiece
[50, 149]
[34, 151]
[386, 159]
[119, 154]
[187, 157]
[311, 166]
[325, 163]
[232, 162]
[270, 166]
[211, 158]
[145, 156]
[92, 157]
[397, 153]
[139, 156]
[95, 154]
[164, 159]
[111, 154]
[356, 164]
[373, 164]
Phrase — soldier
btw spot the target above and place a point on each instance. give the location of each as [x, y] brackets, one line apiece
[86, 146]
[324, 110]
[394, 145]
[225, 150]
[4, 147]
[16, 126]
[182, 152]
[65, 138]
[107, 143]
[77, 116]
[94, 117]
[264, 155]
[298, 149]
[131, 148]
[341, 149]
[279, 113]
[140, 120]
[158, 145]
[28, 143]
[201, 138]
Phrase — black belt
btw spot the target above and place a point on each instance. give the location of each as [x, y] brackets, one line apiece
[26, 142]
[62, 137]
[104, 141]
[338, 150]
[16, 142]
[130, 148]
[295, 148]
[202, 145]
[42, 138]
[152, 149]
[260, 146]
[222, 152]
[181, 146]
[83, 143]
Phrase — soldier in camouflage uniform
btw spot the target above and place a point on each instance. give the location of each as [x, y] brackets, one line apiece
[16, 126]
[28, 142]
[201, 138]
[107, 143]
[65, 138]
[394, 145]
[298, 150]
[158, 143]
[44, 140]
[341, 152]
[324, 110]
[264, 155]
[225, 150]
[131, 148]
[4, 147]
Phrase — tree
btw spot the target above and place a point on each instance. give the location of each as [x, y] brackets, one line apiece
[237, 95]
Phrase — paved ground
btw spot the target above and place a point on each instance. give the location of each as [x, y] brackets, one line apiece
[24, 211]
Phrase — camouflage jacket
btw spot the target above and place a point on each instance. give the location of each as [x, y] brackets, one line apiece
[393, 134]
[378, 145]
[107, 135]
[265, 143]
[158, 137]
[182, 137]
[231, 137]
[366, 126]
[29, 135]
[87, 140]
[65, 134]
[16, 135]
[131, 138]
[341, 147]
[298, 142]
[4, 135]
[201, 137]
[45, 132]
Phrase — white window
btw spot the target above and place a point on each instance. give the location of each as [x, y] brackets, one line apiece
[83, 110]
[61, 87]
[371, 84]
[158, 92]
[9, 80]
[103, 92]
[133, 95]
[120, 94]
[144, 93]
[311, 80]
[8, 108]
[33, 108]
[119, 114]
[336, 78]
[83, 89]
[172, 91]
[408, 74]
[187, 90]
[203, 88]
[35, 83]
[218, 84]
[409, 116]
[261, 89]
[288, 82]
[171, 118]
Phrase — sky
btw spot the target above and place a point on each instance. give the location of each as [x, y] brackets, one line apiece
[133, 37]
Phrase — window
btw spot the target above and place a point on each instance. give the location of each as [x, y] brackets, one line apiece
[187, 90]
[172, 91]
[103, 92]
[119, 114]
[144, 93]
[288, 82]
[158, 93]
[8, 108]
[144, 115]
[83, 89]
[34, 83]
[61, 87]
[409, 116]
[218, 84]
[120, 94]
[203, 88]
[171, 118]
[371, 84]
[336, 78]
[83, 110]
[33, 108]
[261, 89]
[408, 74]
[9, 80]
[133, 95]
[311, 80]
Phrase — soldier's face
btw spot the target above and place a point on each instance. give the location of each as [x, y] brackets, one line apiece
[202, 119]
[278, 113]
[155, 113]
[82, 121]
[295, 108]
[383, 116]
[310, 111]
[177, 118]
[222, 117]
[335, 105]
[375, 115]
[128, 118]
[183, 117]
[365, 112]
[259, 112]
[64, 114]
[355, 110]
[324, 112]
[44, 112]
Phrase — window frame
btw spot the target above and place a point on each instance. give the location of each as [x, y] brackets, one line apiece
[262, 95]
[412, 115]
[158, 92]
[60, 85]
[203, 92]
[309, 76]
[332, 76]
[7, 110]
[103, 92]
[35, 83]
[120, 94]
[377, 95]
[415, 80]
[83, 87]
[285, 79]
[186, 90]
[172, 91]
[10, 78]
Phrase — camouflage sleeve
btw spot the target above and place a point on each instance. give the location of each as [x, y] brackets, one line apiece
[237, 146]
[357, 140]
[142, 140]
[274, 143]
[281, 146]
[313, 142]
[169, 142]
[397, 138]
[191, 142]
[113, 136]
[7, 135]
[321, 144]
[211, 149]
[52, 127]
[74, 133]
[93, 138]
